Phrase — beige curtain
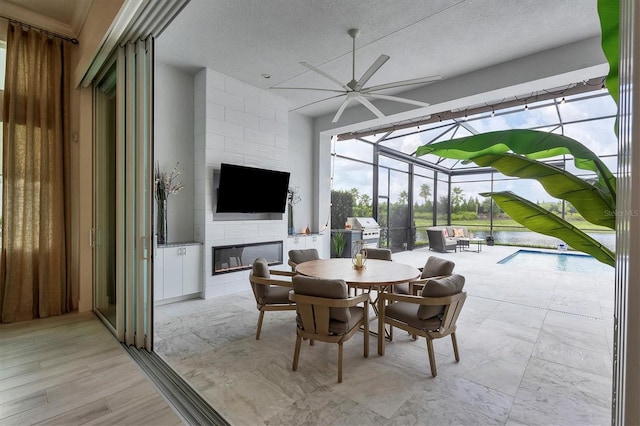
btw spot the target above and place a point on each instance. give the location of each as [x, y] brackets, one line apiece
[33, 264]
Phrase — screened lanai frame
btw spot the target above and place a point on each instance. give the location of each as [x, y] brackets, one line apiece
[381, 165]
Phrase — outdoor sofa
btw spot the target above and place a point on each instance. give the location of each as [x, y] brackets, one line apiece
[443, 238]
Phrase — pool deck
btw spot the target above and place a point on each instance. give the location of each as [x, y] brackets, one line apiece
[535, 349]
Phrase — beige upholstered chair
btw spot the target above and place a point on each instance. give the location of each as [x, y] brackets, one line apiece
[378, 253]
[432, 315]
[436, 267]
[271, 294]
[326, 313]
[301, 255]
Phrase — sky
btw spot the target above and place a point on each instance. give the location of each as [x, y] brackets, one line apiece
[596, 135]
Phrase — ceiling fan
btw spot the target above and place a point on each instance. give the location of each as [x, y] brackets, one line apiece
[356, 90]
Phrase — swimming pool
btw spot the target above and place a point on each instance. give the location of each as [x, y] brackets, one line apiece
[569, 262]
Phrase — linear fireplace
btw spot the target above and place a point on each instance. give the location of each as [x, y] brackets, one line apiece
[240, 257]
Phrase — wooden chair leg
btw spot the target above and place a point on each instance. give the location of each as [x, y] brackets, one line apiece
[381, 333]
[454, 341]
[366, 337]
[339, 362]
[260, 318]
[296, 353]
[432, 357]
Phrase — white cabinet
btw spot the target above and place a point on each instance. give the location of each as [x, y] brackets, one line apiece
[181, 271]
[158, 275]
[298, 242]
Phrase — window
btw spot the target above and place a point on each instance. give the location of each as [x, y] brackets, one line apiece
[455, 187]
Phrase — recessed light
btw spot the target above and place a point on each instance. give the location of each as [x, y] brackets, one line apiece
[266, 75]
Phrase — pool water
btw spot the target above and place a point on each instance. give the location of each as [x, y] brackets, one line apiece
[569, 262]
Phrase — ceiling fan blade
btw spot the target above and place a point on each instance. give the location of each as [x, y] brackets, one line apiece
[396, 99]
[369, 72]
[403, 83]
[307, 88]
[364, 101]
[341, 109]
[325, 75]
[315, 102]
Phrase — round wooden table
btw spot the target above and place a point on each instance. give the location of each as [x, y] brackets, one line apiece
[375, 274]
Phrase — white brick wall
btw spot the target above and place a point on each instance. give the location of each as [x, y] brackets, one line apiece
[239, 124]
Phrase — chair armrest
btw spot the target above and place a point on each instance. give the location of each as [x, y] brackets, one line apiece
[416, 285]
[282, 273]
[419, 300]
[423, 281]
[332, 303]
[271, 281]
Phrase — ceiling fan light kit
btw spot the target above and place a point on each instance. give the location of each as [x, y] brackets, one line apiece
[355, 90]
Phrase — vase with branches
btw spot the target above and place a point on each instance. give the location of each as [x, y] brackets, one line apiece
[165, 184]
[293, 198]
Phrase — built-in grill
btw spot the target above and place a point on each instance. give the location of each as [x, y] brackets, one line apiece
[369, 228]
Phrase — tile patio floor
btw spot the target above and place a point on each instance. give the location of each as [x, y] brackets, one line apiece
[535, 348]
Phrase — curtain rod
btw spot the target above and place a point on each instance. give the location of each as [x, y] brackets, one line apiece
[50, 33]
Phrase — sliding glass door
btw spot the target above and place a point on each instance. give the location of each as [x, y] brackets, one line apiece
[105, 190]
[123, 188]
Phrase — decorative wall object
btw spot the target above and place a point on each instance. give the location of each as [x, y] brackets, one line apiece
[165, 185]
[293, 198]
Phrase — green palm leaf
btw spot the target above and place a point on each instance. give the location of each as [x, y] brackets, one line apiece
[592, 204]
[539, 220]
[609, 13]
[530, 143]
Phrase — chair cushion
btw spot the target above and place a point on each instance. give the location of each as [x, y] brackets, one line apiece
[260, 268]
[276, 295]
[439, 288]
[436, 266]
[400, 288]
[330, 289]
[408, 314]
[378, 253]
[356, 314]
[303, 255]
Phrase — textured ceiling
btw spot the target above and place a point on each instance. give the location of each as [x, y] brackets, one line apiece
[247, 38]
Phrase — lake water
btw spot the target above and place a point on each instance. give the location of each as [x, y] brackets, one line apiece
[568, 262]
[528, 238]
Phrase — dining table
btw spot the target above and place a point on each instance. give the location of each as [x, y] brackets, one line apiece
[378, 275]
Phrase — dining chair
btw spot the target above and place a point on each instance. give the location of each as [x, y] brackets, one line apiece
[326, 313]
[432, 315]
[301, 255]
[435, 267]
[377, 253]
[271, 294]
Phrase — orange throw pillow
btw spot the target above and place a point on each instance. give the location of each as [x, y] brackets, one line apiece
[458, 232]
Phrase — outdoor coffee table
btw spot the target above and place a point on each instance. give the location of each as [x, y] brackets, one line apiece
[465, 243]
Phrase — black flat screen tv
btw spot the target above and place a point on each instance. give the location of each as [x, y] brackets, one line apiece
[245, 189]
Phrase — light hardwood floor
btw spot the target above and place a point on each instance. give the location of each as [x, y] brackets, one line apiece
[70, 370]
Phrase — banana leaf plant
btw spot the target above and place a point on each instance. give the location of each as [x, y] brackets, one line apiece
[517, 153]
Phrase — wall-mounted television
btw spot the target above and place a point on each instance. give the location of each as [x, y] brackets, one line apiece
[243, 189]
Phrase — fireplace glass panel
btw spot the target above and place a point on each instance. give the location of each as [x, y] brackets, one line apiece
[240, 257]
